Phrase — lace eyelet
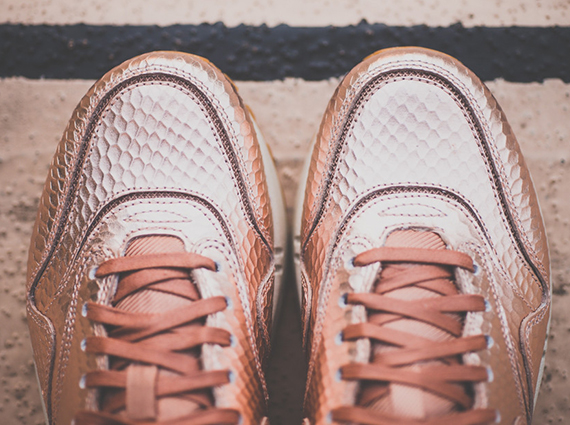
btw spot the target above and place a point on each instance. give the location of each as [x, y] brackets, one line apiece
[476, 269]
[231, 377]
[350, 264]
[84, 310]
[93, 272]
[339, 338]
[329, 418]
[487, 306]
[338, 375]
[83, 344]
[490, 375]
[497, 417]
[233, 341]
[218, 266]
[342, 301]
[82, 381]
[229, 304]
[490, 341]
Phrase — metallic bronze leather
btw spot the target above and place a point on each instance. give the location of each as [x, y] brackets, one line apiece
[162, 144]
[413, 139]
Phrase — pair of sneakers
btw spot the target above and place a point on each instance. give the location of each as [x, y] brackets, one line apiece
[156, 259]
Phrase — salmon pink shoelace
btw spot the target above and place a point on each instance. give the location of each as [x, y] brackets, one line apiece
[139, 345]
[413, 360]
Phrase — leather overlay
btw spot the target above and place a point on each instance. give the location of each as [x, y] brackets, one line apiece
[412, 139]
[161, 145]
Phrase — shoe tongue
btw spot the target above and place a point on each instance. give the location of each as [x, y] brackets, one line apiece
[397, 399]
[152, 301]
[149, 300]
[415, 239]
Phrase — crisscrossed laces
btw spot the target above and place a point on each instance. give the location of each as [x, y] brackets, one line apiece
[154, 356]
[407, 358]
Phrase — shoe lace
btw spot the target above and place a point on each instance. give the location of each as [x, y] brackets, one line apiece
[408, 359]
[155, 356]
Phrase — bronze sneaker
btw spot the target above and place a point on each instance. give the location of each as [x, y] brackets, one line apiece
[423, 259]
[156, 253]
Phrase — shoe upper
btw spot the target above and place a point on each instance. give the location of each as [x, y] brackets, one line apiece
[412, 140]
[161, 146]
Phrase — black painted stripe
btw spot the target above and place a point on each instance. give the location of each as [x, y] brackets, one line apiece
[520, 54]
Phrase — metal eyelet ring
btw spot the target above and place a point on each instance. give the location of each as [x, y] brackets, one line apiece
[83, 344]
[490, 341]
[82, 381]
[342, 301]
[339, 338]
[93, 272]
[229, 304]
[476, 269]
[490, 375]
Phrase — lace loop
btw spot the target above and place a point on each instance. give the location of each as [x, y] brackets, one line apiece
[430, 311]
[202, 417]
[135, 326]
[415, 255]
[438, 380]
[182, 260]
[413, 348]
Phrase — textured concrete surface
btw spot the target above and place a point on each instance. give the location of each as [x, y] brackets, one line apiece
[292, 12]
[33, 114]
